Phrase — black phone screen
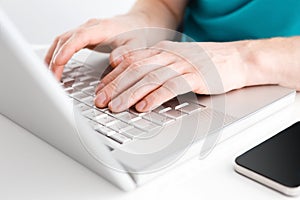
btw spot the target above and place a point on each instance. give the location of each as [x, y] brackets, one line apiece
[277, 158]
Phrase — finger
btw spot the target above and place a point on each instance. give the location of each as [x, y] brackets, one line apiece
[64, 52]
[110, 77]
[58, 72]
[80, 39]
[50, 51]
[146, 85]
[54, 47]
[57, 69]
[117, 55]
[131, 50]
[170, 89]
[131, 75]
[135, 56]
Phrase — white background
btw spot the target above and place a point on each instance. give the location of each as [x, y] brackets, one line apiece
[41, 20]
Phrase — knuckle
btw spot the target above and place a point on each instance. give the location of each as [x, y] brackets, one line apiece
[126, 63]
[128, 60]
[62, 37]
[162, 44]
[135, 67]
[123, 53]
[80, 32]
[92, 21]
[131, 72]
[133, 94]
[113, 87]
[81, 35]
[171, 85]
[153, 77]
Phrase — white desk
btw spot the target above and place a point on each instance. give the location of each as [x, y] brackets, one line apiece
[31, 169]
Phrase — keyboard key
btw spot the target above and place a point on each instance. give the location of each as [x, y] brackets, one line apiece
[95, 83]
[157, 118]
[79, 96]
[133, 133]
[80, 86]
[89, 90]
[128, 117]
[67, 70]
[120, 126]
[144, 125]
[73, 65]
[75, 75]
[87, 79]
[181, 105]
[116, 115]
[75, 102]
[175, 114]
[92, 114]
[190, 108]
[69, 90]
[84, 68]
[119, 138]
[105, 119]
[93, 74]
[100, 109]
[68, 82]
[104, 130]
[171, 103]
[134, 111]
[162, 109]
[88, 101]
[77, 84]
[82, 107]
[93, 124]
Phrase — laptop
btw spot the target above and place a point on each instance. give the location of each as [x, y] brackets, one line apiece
[128, 148]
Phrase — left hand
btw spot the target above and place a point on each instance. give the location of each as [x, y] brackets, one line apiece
[171, 69]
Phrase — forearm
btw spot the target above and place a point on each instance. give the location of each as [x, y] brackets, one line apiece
[273, 61]
[159, 13]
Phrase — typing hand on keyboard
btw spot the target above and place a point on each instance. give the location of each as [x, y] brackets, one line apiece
[80, 81]
[170, 69]
[89, 35]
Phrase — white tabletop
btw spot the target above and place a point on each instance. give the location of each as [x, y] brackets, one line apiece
[32, 169]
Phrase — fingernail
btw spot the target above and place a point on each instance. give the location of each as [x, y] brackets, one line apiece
[141, 105]
[115, 104]
[100, 99]
[99, 87]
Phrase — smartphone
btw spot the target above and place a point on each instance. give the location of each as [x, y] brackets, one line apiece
[275, 162]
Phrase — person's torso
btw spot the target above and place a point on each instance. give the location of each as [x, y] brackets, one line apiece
[218, 20]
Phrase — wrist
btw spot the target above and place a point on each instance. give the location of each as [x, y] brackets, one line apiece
[260, 63]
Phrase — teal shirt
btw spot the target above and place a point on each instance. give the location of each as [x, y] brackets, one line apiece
[221, 21]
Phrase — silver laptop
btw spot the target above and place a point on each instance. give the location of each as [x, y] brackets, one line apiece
[127, 148]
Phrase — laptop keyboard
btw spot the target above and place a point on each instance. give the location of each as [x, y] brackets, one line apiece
[80, 81]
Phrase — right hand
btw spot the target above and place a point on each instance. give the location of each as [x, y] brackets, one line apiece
[89, 35]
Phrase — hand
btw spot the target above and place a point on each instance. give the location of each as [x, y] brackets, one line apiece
[90, 34]
[170, 69]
